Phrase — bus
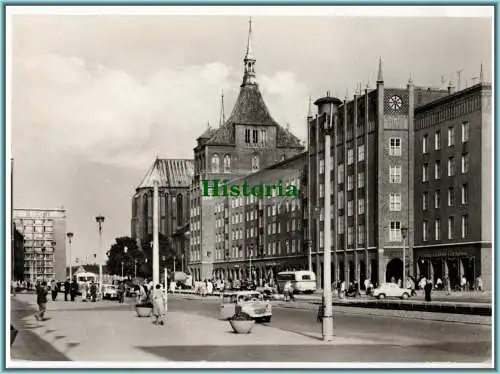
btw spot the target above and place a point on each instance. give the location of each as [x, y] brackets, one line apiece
[303, 281]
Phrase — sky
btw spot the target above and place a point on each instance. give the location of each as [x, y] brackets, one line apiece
[94, 98]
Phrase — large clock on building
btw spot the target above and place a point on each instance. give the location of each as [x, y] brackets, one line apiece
[395, 102]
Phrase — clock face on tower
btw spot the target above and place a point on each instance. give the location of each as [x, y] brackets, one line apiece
[395, 102]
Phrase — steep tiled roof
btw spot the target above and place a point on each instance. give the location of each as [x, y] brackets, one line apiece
[250, 109]
[207, 134]
[285, 139]
[170, 173]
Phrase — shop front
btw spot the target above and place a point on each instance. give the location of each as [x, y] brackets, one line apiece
[449, 264]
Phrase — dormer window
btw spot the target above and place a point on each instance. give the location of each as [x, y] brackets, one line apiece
[227, 164]
[255, 163]
[215, 163]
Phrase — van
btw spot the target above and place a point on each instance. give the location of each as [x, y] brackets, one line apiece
[303, 281]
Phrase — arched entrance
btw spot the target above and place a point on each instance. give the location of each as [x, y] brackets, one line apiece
[394, 270]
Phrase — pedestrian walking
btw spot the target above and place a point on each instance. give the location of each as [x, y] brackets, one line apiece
[479, 284]
[41, 300]
[93, 292]
[121, 292]
[321, 310]
[67, 286]
[428, 290]
[158, 298]
[73, 289]
[13, 286]
[54, 290]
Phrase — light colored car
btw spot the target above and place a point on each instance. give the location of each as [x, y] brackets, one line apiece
[391, 290]
[110, 292]
[250, 302]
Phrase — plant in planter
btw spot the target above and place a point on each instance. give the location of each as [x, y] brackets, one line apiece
[144, 309]
[242, 323]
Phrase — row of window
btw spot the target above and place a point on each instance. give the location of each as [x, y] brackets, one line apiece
[252, 136]
[451, 197]
[350, 235]
[464, 228]
[227, 163]
[451, 137]
[450, 168]
[350, 209]
[36, 222]
[350, 183]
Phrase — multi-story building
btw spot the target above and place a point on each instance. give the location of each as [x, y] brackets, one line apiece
[44, 232]
[174, 178]
[453, 180]
[264, 229]
[249, 140]
[371, 181]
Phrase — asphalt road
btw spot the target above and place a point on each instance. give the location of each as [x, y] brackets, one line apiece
[389, 338]
[399, 339]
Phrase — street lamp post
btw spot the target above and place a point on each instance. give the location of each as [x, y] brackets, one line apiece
[43, 264]
[70, 237]
[404, 234]
[122, 269]
[100, 221]
[327, 270]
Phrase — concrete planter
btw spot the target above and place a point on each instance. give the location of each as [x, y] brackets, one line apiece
[242, 327]
[143, 311]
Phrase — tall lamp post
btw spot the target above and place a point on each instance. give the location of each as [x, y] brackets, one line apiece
[100, 221]
[43, 263]
[70, 237]
[404, 234]
[327, 262]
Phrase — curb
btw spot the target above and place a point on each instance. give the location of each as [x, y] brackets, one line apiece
[421, 306]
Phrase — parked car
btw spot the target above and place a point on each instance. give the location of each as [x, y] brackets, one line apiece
[110, 292]
[391, 290]
[249, 302]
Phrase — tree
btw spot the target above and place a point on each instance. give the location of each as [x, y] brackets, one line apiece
[166, 251]
[117, 255]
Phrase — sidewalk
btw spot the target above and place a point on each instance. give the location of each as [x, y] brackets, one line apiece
[103, 332]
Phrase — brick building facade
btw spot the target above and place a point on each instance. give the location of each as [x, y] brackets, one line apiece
[265, 232]
[371, 181]
[453, 194]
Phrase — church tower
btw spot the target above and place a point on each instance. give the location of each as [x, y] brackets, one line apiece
[249, 140]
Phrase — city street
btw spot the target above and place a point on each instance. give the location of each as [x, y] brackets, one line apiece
[293, 335]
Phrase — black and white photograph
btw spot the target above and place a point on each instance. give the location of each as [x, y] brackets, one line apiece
[249, 186]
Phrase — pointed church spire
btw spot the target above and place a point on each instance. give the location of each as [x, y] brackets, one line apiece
[309, 109]
[481, 75]
[380, 76]
[249, 60]
[249, 53]
[222, 117]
